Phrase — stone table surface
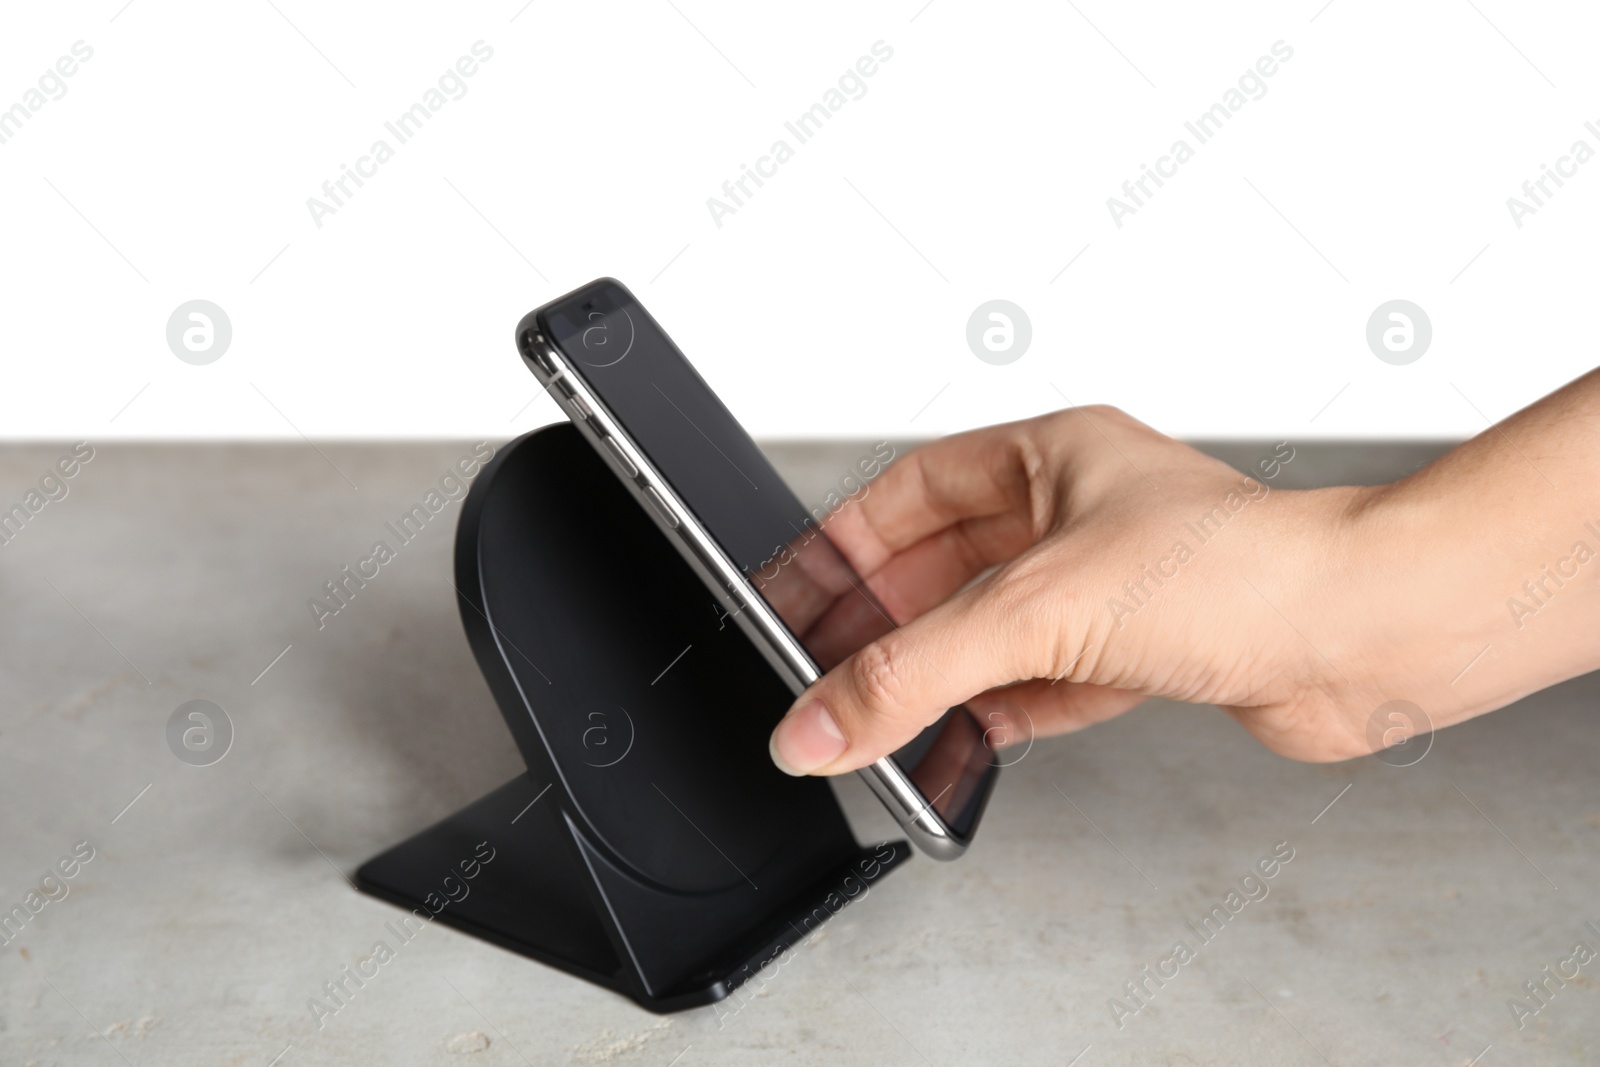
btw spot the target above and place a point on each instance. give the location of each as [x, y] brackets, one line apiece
[1417, 903]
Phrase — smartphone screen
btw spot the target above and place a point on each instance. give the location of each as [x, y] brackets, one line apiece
[781, 548]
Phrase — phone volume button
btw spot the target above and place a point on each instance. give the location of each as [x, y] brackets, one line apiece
[623, 463]
[660, 507]
[568, 397]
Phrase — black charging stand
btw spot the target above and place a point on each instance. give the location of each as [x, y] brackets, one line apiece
[651, 847]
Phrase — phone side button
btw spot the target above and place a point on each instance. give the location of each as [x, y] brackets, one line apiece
[661, 507]
[623, 463]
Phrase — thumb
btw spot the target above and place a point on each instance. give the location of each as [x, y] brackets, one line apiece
[888, 691]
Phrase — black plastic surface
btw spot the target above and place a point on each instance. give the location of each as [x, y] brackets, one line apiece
[531, 898]
[668, 857]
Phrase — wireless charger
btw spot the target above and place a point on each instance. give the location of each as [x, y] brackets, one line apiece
[651, 847]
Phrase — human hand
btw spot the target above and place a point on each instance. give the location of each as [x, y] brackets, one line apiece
[1128, 565]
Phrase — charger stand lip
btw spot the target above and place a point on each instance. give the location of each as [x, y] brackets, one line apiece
[569, 879]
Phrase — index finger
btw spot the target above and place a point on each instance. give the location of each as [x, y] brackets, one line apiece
[982, 474]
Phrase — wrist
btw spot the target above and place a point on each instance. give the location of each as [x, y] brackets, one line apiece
[1428, 589]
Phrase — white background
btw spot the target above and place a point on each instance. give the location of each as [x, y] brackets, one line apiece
[835, 302]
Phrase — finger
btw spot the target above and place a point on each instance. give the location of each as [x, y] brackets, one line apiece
[884, 694]
[934, 569]
[923, 576]
[817, 595]
[982, 473]
[849, 623]
[793, 588]
[1017, 714]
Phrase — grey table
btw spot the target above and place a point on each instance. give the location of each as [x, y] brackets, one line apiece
[1417, 903]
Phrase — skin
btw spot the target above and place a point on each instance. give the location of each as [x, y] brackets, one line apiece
[1300, 613]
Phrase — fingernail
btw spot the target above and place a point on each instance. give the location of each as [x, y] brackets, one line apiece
[806, 739]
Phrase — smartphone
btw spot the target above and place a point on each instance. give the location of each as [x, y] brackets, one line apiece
[764, 557]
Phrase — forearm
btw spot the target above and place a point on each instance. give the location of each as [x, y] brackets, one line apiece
[1480, 574]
